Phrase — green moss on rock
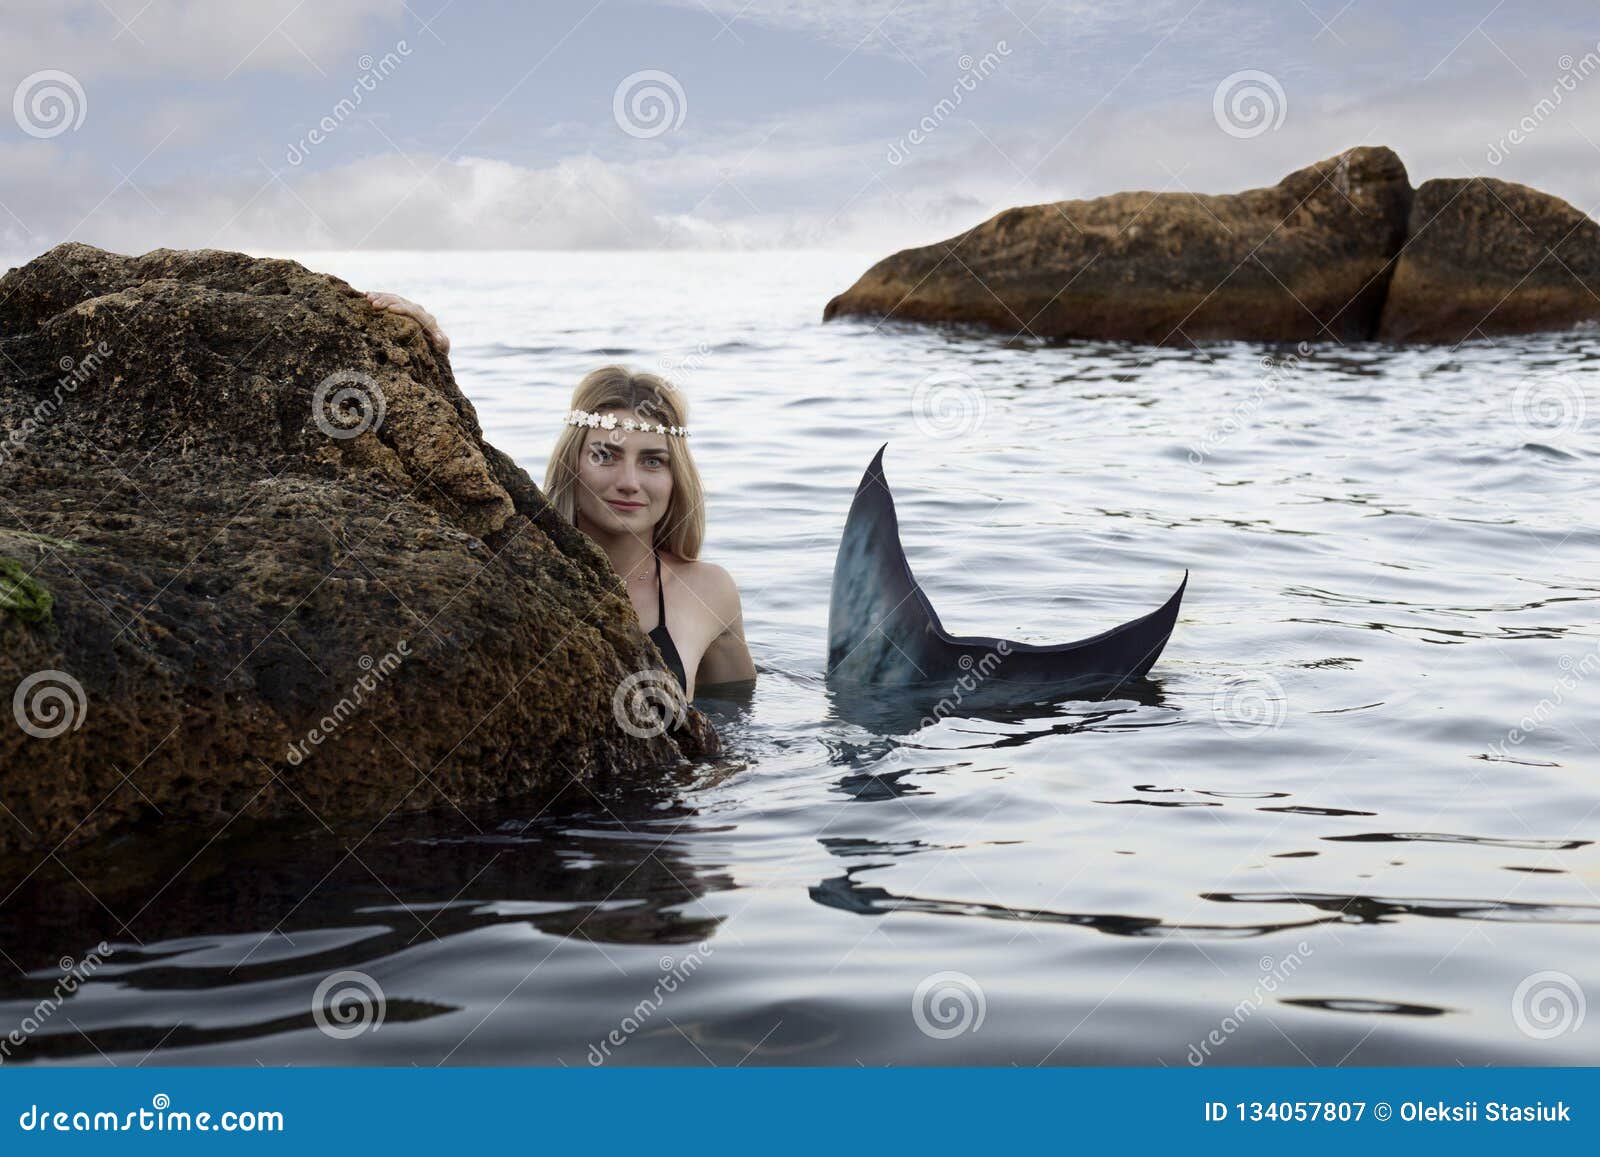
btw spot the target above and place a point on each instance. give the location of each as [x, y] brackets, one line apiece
[22, 596]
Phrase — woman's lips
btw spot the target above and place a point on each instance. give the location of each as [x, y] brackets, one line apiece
[624, 505]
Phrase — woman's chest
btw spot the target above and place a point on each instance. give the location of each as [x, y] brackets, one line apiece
[690, 622]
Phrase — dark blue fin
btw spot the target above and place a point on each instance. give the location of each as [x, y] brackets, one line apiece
[882, 630]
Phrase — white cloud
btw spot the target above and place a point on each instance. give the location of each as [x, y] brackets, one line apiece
[470, 203]
[811, 172]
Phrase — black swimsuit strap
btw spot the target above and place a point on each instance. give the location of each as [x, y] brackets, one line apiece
[663, 637]
[661, 596]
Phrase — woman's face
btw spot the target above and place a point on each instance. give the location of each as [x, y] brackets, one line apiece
[624, 482]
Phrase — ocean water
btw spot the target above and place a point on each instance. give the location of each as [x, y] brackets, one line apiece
[1349, 818]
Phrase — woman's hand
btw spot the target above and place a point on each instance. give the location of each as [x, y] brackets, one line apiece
[405, 307]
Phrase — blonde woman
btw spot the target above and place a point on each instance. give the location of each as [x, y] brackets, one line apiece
[622, 473]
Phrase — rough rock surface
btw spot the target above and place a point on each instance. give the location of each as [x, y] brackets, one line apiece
[230, 585]
[1343, 250]
[1485, 257]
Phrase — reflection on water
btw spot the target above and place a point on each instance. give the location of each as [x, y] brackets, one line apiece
[846, 893]
[1357, 795]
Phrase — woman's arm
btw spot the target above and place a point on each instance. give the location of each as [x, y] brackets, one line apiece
[727, 659]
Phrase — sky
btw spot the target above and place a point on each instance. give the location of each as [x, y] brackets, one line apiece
[279, 126]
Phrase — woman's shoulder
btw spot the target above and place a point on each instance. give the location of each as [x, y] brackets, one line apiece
[710, 581]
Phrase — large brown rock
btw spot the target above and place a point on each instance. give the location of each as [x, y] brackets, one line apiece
[232, 586]
[1485, 257]
[1341, 251]
[1305, 259]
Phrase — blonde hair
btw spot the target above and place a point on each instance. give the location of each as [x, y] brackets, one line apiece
[651, 398]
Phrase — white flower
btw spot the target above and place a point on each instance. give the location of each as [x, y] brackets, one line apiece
[609, 422]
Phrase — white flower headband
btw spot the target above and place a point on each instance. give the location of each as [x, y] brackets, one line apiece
[609, 422]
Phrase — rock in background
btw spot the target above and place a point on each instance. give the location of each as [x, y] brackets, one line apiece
[1343, 250]
[257, 559]
[1485, 257]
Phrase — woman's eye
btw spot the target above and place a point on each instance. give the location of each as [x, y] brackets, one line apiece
[653, 460]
